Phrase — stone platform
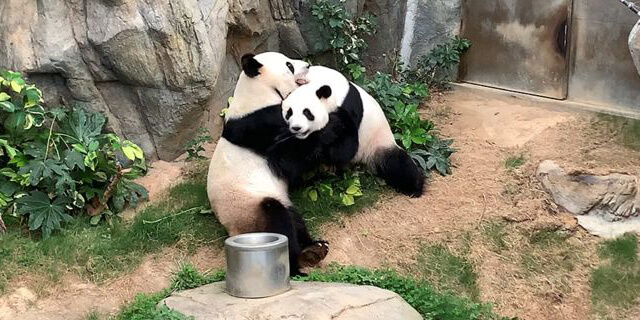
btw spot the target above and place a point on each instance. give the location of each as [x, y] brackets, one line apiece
[305, 300]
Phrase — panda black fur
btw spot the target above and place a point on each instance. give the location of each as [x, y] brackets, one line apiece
[246, 195]
[364, 135]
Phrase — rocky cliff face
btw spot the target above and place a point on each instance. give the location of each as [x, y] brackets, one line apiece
[161, 69]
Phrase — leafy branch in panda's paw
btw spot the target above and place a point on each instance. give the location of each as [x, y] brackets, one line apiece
[57, 162]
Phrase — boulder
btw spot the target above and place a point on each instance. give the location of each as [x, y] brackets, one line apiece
[149, 66]
[634, 45]
[305, 300]
[605, 205]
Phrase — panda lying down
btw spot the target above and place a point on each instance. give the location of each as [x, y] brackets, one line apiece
[336, 123]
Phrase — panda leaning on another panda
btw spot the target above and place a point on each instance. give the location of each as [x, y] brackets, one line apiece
[245, 194]
[343, 123]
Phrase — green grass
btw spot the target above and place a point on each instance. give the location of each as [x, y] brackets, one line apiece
[99, 253]
[447, 271]
[547, 237]
[430, 303]
[102, 252]
[616, 282]
[628, 130]
[514, 161]
[495, 232]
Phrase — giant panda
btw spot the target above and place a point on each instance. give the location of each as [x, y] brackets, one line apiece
[331, 106]
[245, 194]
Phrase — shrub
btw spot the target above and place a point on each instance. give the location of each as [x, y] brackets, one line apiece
[343, 35]
[434, 69]
[194, 146]
[57, 162]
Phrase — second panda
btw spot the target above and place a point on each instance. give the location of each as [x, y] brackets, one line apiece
[337, 122]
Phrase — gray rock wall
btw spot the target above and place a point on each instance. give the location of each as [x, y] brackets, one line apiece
[161, 69]
[634, 45]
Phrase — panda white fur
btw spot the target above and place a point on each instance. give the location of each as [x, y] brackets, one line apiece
[244, 193]
[350, 126]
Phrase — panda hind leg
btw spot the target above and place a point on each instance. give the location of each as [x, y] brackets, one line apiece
[313, 251]
[280, 220]
[397, 168]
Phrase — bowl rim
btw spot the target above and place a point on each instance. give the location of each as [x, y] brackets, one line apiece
[281, 240]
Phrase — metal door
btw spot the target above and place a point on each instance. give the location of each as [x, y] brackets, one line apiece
[519, 45]
[602, 71]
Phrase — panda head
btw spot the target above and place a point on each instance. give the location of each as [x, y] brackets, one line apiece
[275, 70]
[306, 110]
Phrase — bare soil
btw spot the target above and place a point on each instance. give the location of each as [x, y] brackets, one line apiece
[487, 129]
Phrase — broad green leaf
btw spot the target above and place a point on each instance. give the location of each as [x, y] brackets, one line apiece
[43, 213]
[7, 106]
[347, 200]
[80, 148]
[313, 195]
[95, 220]
[94, 145]
[11, 151]
[82, 126]
[129, 153]
[4, 97]
[32, 97]
[17, 85]
[352, 190]
[73, 159]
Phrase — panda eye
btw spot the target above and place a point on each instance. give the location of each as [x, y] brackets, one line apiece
[308, 114]
[290, 66]
[289, 114]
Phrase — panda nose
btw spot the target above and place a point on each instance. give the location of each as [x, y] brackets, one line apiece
[296, 128]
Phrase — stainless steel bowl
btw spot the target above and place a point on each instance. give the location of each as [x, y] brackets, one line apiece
[257, 265]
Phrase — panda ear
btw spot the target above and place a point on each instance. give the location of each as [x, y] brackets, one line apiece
[324, 92]
[250, 65]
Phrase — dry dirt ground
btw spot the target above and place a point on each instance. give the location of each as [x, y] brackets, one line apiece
[487, 129]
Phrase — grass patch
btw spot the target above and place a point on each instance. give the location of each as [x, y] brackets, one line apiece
[430, 303]
[547, 237]
[102, 252]
[495, 233]
[99, 253]
[616, 283]
[447, 271]
[514, 161]
[628, 130]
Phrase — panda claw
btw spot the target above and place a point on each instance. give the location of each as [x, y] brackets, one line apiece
[313, 254]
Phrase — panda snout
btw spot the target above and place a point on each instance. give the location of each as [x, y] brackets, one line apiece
[295, 129]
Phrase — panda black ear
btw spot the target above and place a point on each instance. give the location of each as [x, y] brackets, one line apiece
[324, 92]
[250, 65]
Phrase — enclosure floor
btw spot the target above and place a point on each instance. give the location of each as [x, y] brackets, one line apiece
[487, 128]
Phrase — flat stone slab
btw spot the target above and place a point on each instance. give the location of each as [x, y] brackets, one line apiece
[305, 300]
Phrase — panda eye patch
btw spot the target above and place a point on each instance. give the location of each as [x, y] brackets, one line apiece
[290, 66]
[289, 114]
[308, 114]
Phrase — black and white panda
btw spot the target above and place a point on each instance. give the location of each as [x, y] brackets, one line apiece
[246, 195]
[351, 126]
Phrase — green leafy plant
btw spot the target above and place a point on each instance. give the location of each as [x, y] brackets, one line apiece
[194, 146]
[343, 35]
[57, 162]
[434, 68]
[344, 188]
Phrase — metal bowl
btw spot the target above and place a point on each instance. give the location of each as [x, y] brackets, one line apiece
[257, 265]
